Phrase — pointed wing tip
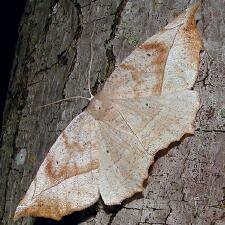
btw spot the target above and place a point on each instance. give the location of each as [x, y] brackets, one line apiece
[38, 209]
[138, 189]
[184, 16]
[15, 217]
[24, 211]
[195, 7]
[124, 198]
[191, 11]
[18, 214]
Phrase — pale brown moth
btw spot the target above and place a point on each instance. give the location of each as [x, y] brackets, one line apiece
[106, 151]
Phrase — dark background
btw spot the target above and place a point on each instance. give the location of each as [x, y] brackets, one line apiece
[10, 15]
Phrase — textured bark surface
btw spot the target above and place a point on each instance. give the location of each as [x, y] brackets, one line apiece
[187, 182]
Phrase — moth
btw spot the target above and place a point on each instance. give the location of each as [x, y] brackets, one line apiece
[106, 151]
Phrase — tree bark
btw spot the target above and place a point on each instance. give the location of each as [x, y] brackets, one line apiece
[186, 184]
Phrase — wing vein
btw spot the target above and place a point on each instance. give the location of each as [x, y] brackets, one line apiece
[167, 59]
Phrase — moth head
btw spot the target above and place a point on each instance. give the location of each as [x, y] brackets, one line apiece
[99, 108]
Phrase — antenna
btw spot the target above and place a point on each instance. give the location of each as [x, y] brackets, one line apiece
[90, 65]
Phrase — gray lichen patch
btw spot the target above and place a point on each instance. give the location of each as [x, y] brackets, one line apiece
[21, 156]
[222, 112]
[131, 37]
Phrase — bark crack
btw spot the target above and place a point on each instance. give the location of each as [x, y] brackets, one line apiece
[207, 72]
[170, 211]
[132, 208]
[210, 130]
[111, 58]
[113, 210]
[182, 173]
[89, 4]
[49, 20]
[77, 36]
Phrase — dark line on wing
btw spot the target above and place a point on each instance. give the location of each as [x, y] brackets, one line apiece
[120, 130]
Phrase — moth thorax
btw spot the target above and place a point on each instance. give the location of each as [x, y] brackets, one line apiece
[98, 108]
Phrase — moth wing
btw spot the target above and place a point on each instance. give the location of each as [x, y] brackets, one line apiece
[159, 120]
[67, 180]
[133, 132]
[164, 63]
[124, 161]
[152, 106]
